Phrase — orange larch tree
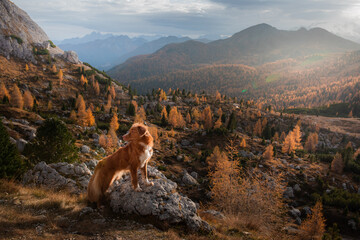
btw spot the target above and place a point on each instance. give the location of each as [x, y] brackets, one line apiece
[96, 88]
[337, 164]
[114, 124]
[314, 226]
[289, 143]
[90, 118]
[164, 113]
[61, 76]
[112, 92]
[207, 117]
[16, 98]
[269, 153]
[4, 92]
[28, 100]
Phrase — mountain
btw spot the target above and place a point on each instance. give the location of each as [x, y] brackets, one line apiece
[151, 47]
[102, 53]
[87, 38]
[253, 46]
[22, 38]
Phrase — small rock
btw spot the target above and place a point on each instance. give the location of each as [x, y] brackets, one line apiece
[39, 230]
[298, 221]
[297, 188]
[188, 179]
[185, 142]
[85, 211]
[215, 214]
[307, 210]
[344, 186]
[85, 149]
[13, 141]
[289, 193]
[99, 221]
[102, 150]
[20, 144]
[91, 164]
[194, 175]
[179, 157]
[352, 224]
[294, 212]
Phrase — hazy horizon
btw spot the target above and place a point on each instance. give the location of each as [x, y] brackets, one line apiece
[68, 19]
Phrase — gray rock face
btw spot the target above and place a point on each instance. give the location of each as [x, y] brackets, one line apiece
[160, 201]
[71, 56]
[73, 177]
[18, 32]
[297, 188]
[215, 214]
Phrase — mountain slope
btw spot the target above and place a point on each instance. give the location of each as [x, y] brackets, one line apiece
[102, 53]
[253, 46]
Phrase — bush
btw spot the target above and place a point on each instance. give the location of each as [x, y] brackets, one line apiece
[52, 44]
[342, 199]
[11, 164]
[53, 143]
[18, 39]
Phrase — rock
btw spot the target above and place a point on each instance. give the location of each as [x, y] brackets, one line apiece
[344, 186]
[297, 188]
[298, 221]
[288, 193]
[215, 214]
[71, 56]
[85, 211]
[91, 164]
[185, 142]
[95, 136]
[194, 175]
[39, 229]
[59, 176]
[179, 158]
[188, 179]
[161, 201]
[20, 144]
[294, 212]
[85, 149]
[306, 210]
[102, 150]
[352, 224]
[246, 154]
[12, 140]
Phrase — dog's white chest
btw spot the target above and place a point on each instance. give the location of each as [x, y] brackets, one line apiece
[146, 155]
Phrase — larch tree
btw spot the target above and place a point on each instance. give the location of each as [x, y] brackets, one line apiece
[61, 76]
[217, 96]
[102, 140]
[82, 114]
[16, 99]
[96, 88]
[258, 128]
[195, 114]
[53, 69]
[219, 112]
[112, 92]
[72, 116]
[188, 118]
[114, 124]
[164, 113]
[314, 226]
[4, 93]
[49, 105]
[243, 143]
[80, 102]
[28, 100]
[173, 117]
[337, 164]
[207, 117]
[26, 67]
[135, 105]
[289, 144]
[90, 118]
[218, 123]
[311, 142]
[108, 103]
[162, 95]
[297, 137]
[276, 137]
[269, 153]
[195, 126]
[282, 136]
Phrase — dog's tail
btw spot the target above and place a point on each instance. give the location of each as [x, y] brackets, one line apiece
[94, 190]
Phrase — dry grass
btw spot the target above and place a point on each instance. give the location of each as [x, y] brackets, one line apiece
[43, 214]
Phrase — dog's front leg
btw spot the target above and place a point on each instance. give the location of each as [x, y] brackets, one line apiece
[145, 176]
[134, 180]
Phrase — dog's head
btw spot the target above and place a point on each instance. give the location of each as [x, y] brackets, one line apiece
[136, 131]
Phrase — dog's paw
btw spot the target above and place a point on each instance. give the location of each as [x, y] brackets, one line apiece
[138, 189]
[149, 183]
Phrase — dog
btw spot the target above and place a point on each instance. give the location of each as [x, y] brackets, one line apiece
[134, 155]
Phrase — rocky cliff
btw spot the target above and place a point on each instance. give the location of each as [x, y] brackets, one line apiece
[19, 35]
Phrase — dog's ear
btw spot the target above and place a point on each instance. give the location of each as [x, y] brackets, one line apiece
[141, 130]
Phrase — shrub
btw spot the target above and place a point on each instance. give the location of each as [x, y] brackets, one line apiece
[53, 143]
[18, 39]
[11, 165]
[52, 44]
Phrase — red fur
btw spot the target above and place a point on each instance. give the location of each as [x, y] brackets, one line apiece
[126, 158]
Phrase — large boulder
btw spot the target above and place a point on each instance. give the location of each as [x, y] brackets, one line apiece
[72, 177]
[161, 201]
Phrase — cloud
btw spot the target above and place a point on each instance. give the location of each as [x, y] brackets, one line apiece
[65, 18]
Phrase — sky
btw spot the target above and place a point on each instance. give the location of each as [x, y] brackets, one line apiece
[62, 19]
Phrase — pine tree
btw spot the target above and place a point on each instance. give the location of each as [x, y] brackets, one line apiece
[131, 109]
[114, 124]
[28, 100]
[11, 164]
[232, 122]
[90, 118]
[16, 99]
[53, 143]
[269, 153]
[314, 226]
[337, 164]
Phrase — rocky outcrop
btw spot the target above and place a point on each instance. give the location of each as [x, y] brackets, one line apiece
[161, 201]
[19, 35]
